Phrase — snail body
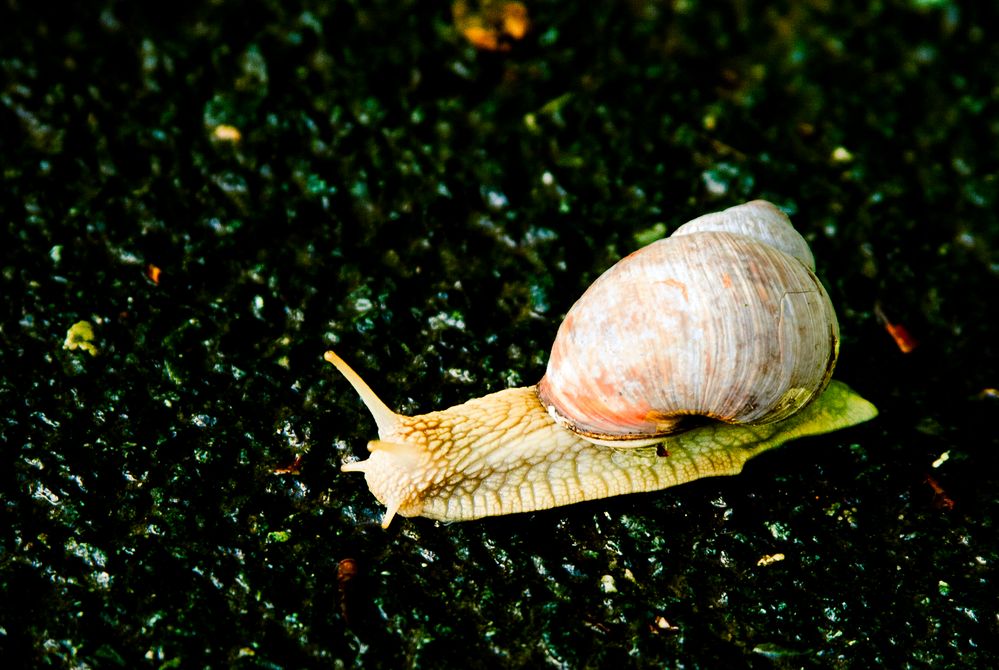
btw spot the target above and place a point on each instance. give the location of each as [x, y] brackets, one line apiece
[724, 321]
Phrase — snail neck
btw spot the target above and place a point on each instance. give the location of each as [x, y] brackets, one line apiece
[427, 465]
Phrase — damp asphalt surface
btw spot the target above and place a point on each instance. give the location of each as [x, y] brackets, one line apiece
[199, 198]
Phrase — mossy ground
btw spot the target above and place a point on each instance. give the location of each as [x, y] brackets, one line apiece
[173, 497]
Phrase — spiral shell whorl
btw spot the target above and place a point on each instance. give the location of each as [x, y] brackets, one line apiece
[758, 219]
[711, 321]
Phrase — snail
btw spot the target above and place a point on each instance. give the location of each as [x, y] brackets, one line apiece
[683, 360]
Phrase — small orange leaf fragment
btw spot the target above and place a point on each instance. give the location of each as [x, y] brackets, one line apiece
[940, 498]
[903, 339]
[493, 24]
[293, 469]
[153, 272]
[484, 38]
[515, 21]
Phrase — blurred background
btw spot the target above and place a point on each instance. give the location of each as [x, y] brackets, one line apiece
[199, 198]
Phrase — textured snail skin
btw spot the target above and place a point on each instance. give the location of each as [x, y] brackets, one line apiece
[503, 453]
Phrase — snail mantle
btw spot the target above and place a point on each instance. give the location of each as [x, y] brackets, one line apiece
[711, 346]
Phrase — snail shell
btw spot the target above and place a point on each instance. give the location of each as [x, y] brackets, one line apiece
[725, 319]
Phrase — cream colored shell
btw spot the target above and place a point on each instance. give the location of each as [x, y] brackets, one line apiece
[724, 319]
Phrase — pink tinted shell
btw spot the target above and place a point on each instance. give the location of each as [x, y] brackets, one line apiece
[705, 322]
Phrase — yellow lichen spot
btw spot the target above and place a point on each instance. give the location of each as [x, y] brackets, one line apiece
[943, 458]
[227, 133]
[770, 559]
[81, 336]
[841, 155]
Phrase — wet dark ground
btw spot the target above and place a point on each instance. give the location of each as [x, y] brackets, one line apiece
[172, 496]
